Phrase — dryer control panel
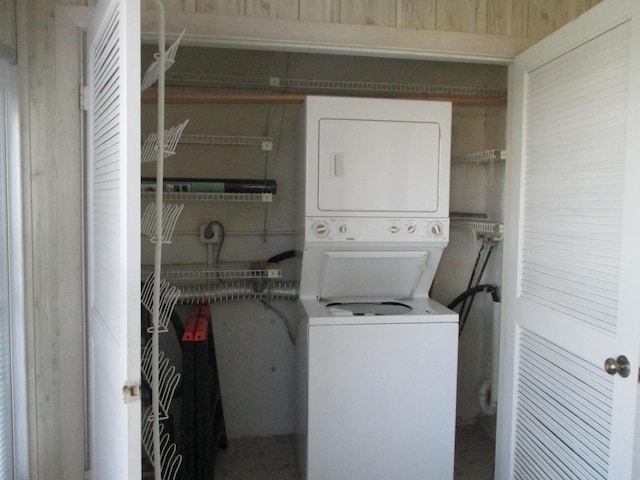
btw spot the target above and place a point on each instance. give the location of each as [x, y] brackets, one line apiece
[357, 229]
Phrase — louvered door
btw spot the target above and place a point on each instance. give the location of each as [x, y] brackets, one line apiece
[113, 243]
[572, 267]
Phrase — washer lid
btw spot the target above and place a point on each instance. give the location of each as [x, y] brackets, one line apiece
[392, 274]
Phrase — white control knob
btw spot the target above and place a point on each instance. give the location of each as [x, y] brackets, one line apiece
[394, 229]
[411, 228]
[343, 228]
[436, 229]
[320, 229]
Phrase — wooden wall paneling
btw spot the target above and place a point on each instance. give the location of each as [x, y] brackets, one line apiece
[52, 196]
[369, 12]
[547, 16]
[462, 16]
[519, 15]
[287, 9]
[420, 14]
[8, 30]
[42, 191]
[221, 7]
[499, 16]
[320, 11]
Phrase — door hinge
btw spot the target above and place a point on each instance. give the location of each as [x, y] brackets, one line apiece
[131, 392]
[84, 94]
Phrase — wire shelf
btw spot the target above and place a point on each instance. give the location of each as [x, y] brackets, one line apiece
[224, 271]
[172, 136]
[265, 143]
[481, 158]
[311, 85]
[169, 377]
[478, 225]
[169, 295]
[153, 72]
[170, 458]
[212, 197]
[170, 215]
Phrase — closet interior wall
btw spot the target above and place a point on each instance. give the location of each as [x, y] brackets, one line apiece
[255, 353]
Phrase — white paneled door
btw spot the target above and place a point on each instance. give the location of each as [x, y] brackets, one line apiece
[113, 242]
[572, 265]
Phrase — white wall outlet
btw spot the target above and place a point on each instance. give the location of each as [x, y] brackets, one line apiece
[210, 233]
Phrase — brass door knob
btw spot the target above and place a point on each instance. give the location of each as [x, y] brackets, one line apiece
[618, 365]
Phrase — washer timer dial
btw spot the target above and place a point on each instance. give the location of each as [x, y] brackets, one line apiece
[320, 228]
[435, 229]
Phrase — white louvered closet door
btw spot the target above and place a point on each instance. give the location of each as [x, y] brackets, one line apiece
[572, 268]
[113, 243]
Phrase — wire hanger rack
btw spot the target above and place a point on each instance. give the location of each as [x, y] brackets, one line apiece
[158, 296]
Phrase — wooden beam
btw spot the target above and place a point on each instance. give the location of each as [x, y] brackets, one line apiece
[191, 96]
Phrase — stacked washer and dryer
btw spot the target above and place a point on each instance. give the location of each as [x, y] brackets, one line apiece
[377, 358]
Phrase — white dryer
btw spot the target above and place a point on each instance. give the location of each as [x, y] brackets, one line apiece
[377, 358]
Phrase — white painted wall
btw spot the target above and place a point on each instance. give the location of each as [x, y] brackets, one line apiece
[254, 351]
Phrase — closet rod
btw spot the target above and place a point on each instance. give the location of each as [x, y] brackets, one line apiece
[190, 96]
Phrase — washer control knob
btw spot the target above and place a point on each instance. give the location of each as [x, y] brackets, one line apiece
[343, 228]
[320, 229]
[394, 229]
[436, 229]
[411, 228]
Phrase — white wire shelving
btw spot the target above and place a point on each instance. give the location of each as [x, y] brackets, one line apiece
[478, 226]
[172, 137]
[481, 158]
[265, 143]
[222, 271]
[157, 295]
[211, 196]
[186, 79]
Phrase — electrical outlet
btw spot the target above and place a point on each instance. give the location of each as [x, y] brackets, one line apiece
[210, 233]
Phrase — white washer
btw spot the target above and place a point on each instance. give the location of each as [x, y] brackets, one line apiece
[376, 375]
[377, 392]
[377, 359]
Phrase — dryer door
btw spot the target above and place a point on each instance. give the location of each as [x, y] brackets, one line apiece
[378, 166]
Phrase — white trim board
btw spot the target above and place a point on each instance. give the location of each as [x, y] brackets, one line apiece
[206, 30]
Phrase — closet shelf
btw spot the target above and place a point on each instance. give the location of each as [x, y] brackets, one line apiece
[478, 225]
[211, 196]
[203, 96]
[223, 271]
[481, 158]
[265, 143]
[327, 86]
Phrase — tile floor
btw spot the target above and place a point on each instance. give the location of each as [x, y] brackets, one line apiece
[273, 458]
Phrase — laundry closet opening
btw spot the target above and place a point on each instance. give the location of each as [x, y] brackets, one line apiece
[244, 109]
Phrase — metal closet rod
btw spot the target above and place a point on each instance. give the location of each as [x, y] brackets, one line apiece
[200, 96]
